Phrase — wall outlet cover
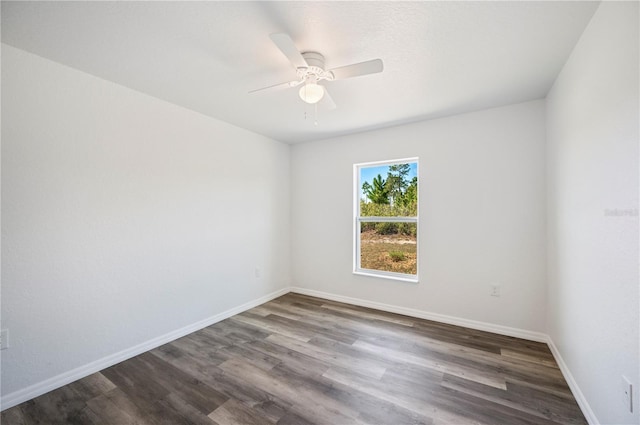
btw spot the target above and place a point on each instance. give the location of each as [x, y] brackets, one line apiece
[627, 390]
[4, 339]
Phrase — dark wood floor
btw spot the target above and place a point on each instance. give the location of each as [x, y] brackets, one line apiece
[302, 360]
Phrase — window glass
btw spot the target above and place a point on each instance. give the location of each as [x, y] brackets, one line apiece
[386, 239]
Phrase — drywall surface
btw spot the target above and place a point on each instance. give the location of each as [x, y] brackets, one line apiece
[125, 217]
[593, 120]
[482, 215]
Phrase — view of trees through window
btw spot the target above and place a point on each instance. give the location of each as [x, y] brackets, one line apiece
[387, 217]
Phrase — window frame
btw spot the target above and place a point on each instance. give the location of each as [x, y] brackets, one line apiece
[357, 220]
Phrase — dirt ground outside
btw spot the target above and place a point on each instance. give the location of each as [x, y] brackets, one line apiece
[393, 253]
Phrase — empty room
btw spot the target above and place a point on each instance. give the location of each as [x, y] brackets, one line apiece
[320, 213]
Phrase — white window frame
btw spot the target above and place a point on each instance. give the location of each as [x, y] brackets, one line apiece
[357, 220]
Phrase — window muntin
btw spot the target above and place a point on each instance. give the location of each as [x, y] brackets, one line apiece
[386, 219]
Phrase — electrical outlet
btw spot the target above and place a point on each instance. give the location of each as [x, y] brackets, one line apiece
[495, 290]
[627, 390]
[4, 339]
[257, 272]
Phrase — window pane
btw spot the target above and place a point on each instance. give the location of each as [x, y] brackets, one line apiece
[389, 190]
[389, 246]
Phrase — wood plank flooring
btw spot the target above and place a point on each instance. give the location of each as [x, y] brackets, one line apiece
[303, 360]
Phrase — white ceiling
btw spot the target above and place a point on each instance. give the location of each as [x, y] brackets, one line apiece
[440, 58]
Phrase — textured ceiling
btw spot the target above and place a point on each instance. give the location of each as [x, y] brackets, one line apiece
[440, 58]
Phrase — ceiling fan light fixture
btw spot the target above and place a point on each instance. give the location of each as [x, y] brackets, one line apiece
[311, 92]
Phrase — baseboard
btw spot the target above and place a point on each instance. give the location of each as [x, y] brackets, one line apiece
[573, 385]
[436, 317]
[65, 378]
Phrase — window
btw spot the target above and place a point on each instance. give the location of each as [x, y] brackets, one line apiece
[386, 219]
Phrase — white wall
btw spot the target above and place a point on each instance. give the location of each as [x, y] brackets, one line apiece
[482, 215]
[593, 119]
[124, 218]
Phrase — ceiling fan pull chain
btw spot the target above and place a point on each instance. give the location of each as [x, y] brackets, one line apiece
[315, 120]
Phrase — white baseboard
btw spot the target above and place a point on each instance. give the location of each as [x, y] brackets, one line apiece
[65, 378]
[573, 385]
[436, 317]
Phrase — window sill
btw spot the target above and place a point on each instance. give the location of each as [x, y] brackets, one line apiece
[382, 275]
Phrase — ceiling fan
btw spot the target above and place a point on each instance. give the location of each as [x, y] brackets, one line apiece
[311, 71]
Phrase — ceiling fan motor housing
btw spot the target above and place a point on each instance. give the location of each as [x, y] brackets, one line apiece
[315, 69]
[314, 59]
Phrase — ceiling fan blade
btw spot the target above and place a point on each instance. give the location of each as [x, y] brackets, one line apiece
[327, 100]
[289, 49]
[357, 69]
[278, 86]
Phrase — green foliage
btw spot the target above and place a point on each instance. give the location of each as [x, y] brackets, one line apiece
[410, 196]
[386, 228]
[394, 196]
[390, 228]
[397, 256]
[397, 181]
[369, 209]
[367, 225]
[408, 229]
[378, 192]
